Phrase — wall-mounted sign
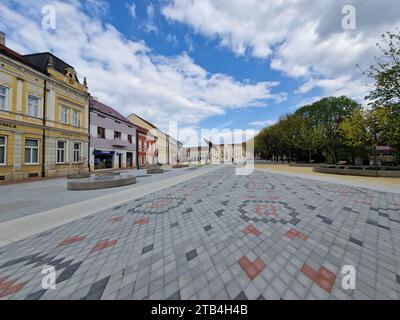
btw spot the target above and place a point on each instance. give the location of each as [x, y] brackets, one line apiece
[8, 125]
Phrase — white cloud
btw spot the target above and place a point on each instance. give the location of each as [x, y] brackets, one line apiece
[126, 74]
[262, 123]
[304, 39]
[97, 8]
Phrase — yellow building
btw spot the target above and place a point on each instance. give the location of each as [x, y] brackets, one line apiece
[44, 116]
[166, 146]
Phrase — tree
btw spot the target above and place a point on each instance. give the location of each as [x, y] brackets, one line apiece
[311, 137]
[368, 128]
[325, 117]
[386, 72]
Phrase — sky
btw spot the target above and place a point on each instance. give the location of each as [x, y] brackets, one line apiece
[224, 64]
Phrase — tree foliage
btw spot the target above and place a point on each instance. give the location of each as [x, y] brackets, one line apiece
[338, 128]
[386, 72]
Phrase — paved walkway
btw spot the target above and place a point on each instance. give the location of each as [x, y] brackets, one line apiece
[384, 184]
[33, 224]
[20, 200]
[219, 236]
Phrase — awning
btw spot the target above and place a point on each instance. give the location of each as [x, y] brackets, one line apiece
[103, 153]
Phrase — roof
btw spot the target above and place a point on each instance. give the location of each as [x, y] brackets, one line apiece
[41, 61]
[154, 127]
[16, 56]
[38, 61]
[108, 111]
[148, 122]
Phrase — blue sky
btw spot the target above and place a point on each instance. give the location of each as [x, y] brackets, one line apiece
[171, 39]
[207, 63]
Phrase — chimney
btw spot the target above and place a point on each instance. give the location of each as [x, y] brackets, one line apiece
[2, 38]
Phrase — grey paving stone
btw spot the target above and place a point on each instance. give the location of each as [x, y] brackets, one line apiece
[191, 249]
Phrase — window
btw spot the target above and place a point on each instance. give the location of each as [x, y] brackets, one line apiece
[31, 151]
[3, 98]
[3, 150]
[130, 138]
[33, 106]
[101, 133]
[77, 152]
[117, 135]
[64, 114]
[61, 147]
[75, 118]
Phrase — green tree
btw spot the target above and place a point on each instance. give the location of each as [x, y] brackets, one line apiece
[386, 72]
[368, 129]
[325, 117]
[311, 137]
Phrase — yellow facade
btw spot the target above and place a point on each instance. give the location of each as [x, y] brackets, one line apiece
[32, 123]
[166, 146]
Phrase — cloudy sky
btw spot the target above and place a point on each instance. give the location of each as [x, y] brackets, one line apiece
[207, 63]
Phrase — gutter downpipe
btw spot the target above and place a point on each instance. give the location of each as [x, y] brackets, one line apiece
[44, 129]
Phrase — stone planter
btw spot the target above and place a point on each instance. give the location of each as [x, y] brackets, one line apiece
[79, 175]
[101, 182]
[155, 170]
[357, 172]
[108, 174]
[180, 166]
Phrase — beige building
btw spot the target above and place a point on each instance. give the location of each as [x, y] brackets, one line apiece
[166, 146]
[44, 116]
[220, 153]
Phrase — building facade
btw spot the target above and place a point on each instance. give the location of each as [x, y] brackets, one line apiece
[146, 148]
[44, 116]
[113, 138]
[219, 153]
[166, 148]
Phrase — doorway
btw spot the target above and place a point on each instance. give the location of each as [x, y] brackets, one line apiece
[129, 159]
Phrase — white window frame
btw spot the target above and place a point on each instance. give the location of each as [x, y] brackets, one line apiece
[79, 151]
[38, 106]
[59, 149]
[5, 150]
[62, 114]
[77, 123]
[6, 92]
[31, 153]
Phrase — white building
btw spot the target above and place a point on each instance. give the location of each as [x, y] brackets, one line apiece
[112, 138]
[220, 153]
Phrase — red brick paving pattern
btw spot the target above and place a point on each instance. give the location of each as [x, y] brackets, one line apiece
[324, 277]
[72, 240]
[117, 219]
[252, 269]
[142, 221]
[103, 244]
[253, 230]
[292, 233]
[9, 287]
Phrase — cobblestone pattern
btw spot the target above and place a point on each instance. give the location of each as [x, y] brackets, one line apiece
[20, 200]
[219, 236]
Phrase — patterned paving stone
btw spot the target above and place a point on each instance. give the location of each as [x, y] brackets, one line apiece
[219, 236]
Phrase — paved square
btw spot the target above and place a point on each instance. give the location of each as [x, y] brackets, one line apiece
[219, 236]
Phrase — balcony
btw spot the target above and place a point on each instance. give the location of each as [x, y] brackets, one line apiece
[118, 143]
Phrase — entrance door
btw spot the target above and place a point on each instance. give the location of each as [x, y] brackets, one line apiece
[129, 159]
[120, 160]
